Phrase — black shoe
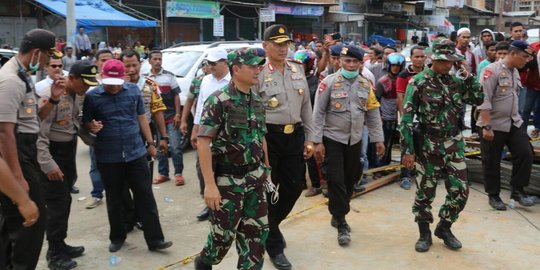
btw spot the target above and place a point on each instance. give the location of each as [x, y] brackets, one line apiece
[358, 187]
[522, 198]
[281, 262]
[115, 246]
[200, 265]
[128, 228]
[160, 245]
[423, 243]
[75, 190]
[334, 223]
[496, 202]
[443, 232]
[344, 237]
[204, 214]
[73, 251]
[61, 261]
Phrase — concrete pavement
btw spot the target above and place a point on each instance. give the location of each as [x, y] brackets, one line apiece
[383, 232]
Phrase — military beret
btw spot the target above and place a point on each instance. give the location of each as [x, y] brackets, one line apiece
[352, 51]
[247, 56]
[522, 45]
[335, 50]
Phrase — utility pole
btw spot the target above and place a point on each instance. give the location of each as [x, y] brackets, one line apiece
[71, 23]
[500, 19]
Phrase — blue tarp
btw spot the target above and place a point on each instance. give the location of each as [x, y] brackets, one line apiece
[95, 14]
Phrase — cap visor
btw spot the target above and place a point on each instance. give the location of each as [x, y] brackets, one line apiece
[451, 58]
[112, 81]
[281, 40]
[56, 53]
[90, 81]
[256, 61]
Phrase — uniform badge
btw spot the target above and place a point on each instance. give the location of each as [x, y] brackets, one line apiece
[30, 101]
[268, 78]
[337, 84]
[293, 68]
[281, 30]
[62, 122]
[340, 78]
[29, 110]
[337, 105]
[363, 103]
[301, 92]
[344, 50]
[322, 87]
[273, 102]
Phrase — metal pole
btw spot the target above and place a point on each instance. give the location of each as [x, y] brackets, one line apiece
[500, 19]
[163, 37]
[71, 24]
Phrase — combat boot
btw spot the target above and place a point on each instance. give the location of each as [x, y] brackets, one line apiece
[443, 232]
[73, 251]
[344, 237]
[200, 265]
[334, 223]
[424, 242]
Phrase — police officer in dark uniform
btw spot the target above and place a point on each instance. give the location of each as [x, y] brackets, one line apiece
[19, 128]
[285, 96]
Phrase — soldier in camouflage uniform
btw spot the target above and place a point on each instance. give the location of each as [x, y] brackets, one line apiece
[437, 99]
[233, 122]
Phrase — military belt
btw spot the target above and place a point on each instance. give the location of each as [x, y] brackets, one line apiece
[439, 132]
[222, 169]
[286, 129]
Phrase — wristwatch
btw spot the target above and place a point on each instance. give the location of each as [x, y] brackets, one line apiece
[148, 144]
[54, 102]
[165, 138]
[487, 127]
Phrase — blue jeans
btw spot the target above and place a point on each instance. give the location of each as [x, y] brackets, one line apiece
[95, 176]
[531, 97]
[175, 148]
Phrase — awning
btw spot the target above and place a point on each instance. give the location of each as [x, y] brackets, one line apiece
[95, 14]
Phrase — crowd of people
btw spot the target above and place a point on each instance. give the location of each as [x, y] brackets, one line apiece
[267, 121]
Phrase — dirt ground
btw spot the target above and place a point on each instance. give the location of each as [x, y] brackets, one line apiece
[383, 232]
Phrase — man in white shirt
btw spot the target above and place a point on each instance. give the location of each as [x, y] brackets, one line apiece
[54, 68]
[69, 59]
[82, 44]
[219, 76]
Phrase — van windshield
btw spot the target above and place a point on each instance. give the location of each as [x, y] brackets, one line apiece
[180, 62]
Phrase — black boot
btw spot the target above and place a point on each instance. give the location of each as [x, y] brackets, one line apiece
[334, 223]
[344, 236]
[443, 232]
[424, 242]
[519, 196]
[200, 265]
[73, 251]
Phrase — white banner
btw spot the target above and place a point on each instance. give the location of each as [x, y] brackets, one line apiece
[219, 26]
[267, 15]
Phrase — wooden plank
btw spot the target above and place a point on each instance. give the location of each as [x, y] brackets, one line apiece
[373, 185]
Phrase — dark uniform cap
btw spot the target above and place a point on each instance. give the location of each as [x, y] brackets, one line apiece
[277, 33]
[335, 50]
[86, 71]
[445, 50]
[246, 56]
[352, 51]
[522, 46]
[42, 39]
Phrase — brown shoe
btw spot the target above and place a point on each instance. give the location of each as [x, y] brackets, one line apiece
[161, 179]
[313, 192]
[179, 180]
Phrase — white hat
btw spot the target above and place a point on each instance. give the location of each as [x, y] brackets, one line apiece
[217, 54]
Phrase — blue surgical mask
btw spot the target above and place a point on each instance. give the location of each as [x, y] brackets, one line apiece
[349, 74]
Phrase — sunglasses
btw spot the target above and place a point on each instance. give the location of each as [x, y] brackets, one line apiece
[214, 63]
[56, 66]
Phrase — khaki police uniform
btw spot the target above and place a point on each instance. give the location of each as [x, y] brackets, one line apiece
[289, 124]
[501, 85]
[21, 246]
[342, 107]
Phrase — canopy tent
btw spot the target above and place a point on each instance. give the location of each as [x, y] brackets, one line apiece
[95, 14]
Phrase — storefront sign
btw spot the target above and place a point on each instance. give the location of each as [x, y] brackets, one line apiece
[454, 3]
[297, 10]
[193, 9]
[219, 26]
[267, 15]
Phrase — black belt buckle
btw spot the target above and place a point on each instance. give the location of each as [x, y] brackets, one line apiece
[235, 170]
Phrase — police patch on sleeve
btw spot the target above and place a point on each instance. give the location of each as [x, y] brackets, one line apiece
[322, 87]
[487, 74]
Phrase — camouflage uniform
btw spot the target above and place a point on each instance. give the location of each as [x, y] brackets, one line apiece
[195, 88]
[236, 122]
[438, 100]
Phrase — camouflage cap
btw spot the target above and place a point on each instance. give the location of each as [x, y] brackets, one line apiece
[445, 50]
[246, 56]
